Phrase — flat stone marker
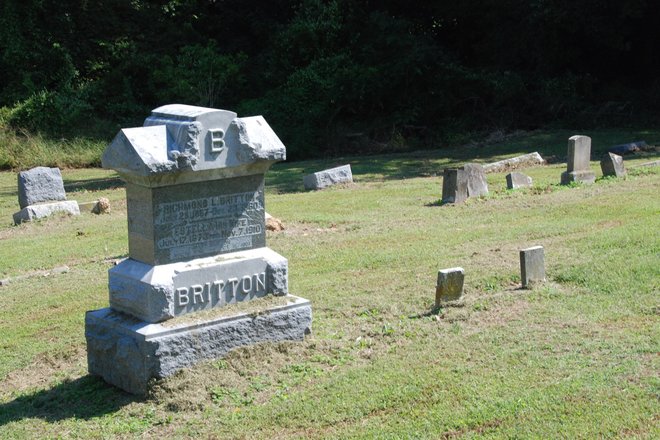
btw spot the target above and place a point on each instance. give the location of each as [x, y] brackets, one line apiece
[326, 178]
[450, 285]
[631, 147]
[41, 193]
[476, 180]
[517, 180]
[532, 266]
[454, 185]
[612, 165]
[526, 160]
[196, 239]
[579, 153]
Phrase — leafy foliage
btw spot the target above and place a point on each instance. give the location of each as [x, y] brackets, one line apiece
[331, 76]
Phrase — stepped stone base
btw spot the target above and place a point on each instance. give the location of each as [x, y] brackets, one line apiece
[128, 352]
[577, 176]
[35, 212]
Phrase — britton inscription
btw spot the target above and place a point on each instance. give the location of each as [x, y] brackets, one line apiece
[220, 292]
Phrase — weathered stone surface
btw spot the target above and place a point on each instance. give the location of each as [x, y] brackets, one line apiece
[629, 148]
[653, 163]
[326, 178]
[182, 144]
[40, 184]
[532, 266]
[454, 185]
[612, 165]
[192, 220]
[526, 160]
[518, 180]
[450, 285]
[577, 168]
[35, 212]
[158, 293]
[476, 180]
[128, 352]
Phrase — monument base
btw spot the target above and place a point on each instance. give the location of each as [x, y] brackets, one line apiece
[577, 176]
[127, 352]
[34, 212]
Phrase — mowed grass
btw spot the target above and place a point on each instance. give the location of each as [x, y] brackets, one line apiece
[575, 358]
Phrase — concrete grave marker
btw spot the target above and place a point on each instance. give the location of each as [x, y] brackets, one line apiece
[579, 153]
[195, 198]
[454, 185]
[532, 266]
[41, 193]
[326, 178]
[450, 285]
[612, 165]
[476, 180]
[517, 180]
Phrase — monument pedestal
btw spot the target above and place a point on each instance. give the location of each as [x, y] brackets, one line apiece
[127, 352]
[577, 176]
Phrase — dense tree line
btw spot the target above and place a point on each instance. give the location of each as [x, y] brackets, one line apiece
[331, 75]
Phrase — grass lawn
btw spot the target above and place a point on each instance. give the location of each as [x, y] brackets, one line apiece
[577, 357]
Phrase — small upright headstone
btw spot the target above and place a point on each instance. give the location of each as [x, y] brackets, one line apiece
[196, 242]
[325, 178]
[532, 266]
[41, 193]
[476, 180]
[579, 153]
[612, 165]
[450, 285]
[454, 185]
[517, 180]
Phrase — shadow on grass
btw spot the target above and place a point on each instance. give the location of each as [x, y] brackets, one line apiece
[83, 398]
[93, 184]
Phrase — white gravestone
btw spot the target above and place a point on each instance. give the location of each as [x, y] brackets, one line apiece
[196, 232]
[326, 178]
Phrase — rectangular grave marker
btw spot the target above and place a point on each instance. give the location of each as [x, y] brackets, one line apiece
[532, 266]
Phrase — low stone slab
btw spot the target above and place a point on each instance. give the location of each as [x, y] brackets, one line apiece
[35, 212]
[517, 180]
[476, 180]
[612, 165]
[587, 177]
[450, 285]
[158, 293]
[40, 184]
[653, 163]
[127, 352]
[532, 266]
[526, 160]
[326, 178]
[454, 185]
[631, 147]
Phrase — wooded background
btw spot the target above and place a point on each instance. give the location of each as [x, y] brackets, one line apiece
[332, 77]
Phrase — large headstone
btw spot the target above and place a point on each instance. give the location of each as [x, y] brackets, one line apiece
[579, 154]
[41, 193]
[326, 178]
[196, 231]
[517, 180]
[454, 185]
[612, 165]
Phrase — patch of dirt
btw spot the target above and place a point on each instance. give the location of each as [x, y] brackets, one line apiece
[44, 371]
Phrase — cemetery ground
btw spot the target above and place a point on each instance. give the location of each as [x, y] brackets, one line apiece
[577, 357]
